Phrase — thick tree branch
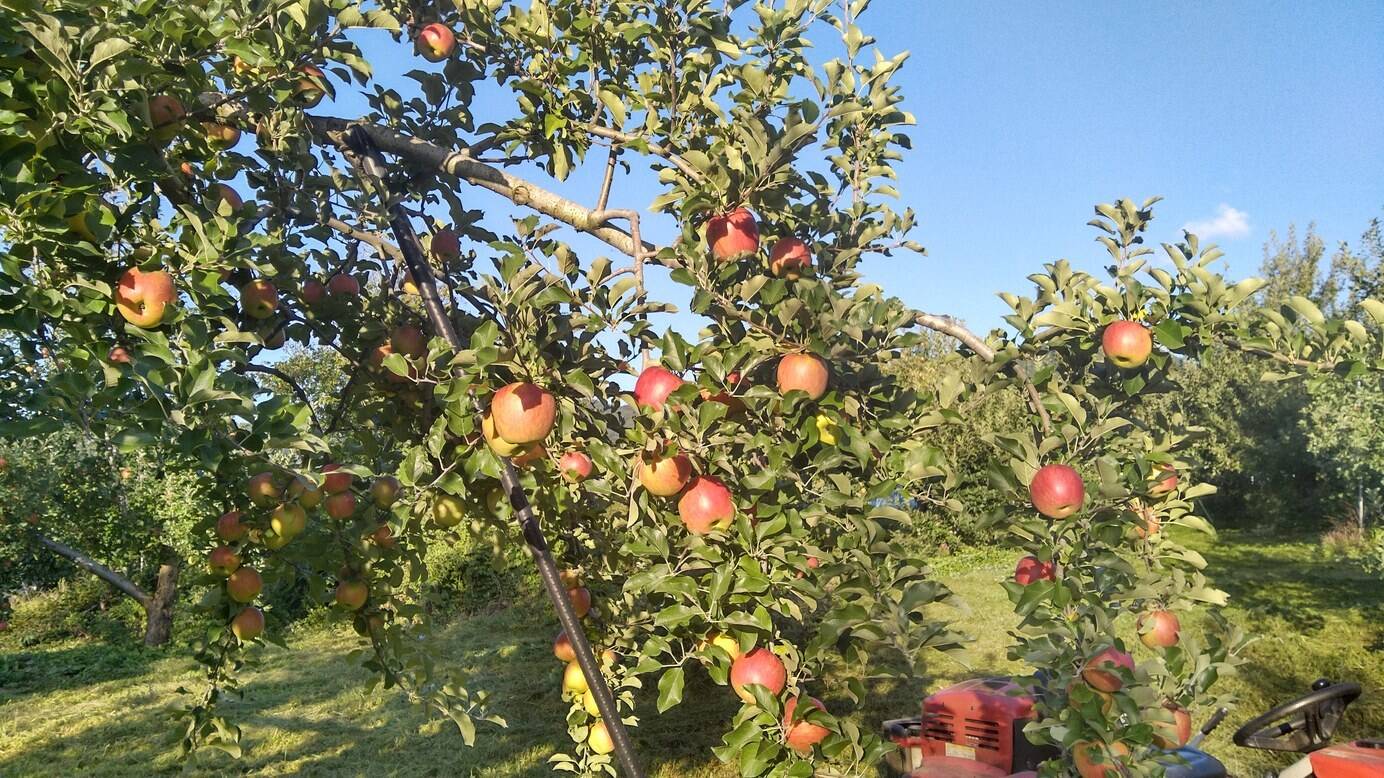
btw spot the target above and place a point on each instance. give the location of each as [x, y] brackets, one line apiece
[95, 568]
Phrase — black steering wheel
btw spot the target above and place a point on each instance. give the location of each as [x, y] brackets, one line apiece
[1301, 725]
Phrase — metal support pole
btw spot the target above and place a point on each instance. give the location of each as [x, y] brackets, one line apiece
[372, 161]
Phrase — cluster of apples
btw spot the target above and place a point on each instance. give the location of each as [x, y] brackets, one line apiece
[574, 682]
[761, 667]
[734, 236]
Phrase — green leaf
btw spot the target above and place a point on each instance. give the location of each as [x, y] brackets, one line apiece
[670, 689]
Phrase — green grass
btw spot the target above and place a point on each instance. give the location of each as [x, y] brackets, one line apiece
[90, 708]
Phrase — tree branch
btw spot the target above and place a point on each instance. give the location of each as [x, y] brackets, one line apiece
[949, 326]
[655, 148]
[286, 378]
[95, 568]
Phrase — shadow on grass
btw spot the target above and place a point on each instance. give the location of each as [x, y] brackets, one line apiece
[44, 671]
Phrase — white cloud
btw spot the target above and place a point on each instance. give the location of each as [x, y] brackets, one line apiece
[1227, 223]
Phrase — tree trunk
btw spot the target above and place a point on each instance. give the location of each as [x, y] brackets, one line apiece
[158, 609]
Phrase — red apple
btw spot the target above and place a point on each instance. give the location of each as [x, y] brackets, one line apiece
[733, 235]
[166, 114]
[144, 297]
[1127, 344]
[119, 355]
[654, 385]
[665, 477]
[1159, 629]
[384, 491]
[803, 373]
[1100, 671]
[581, 601]
[790, 258]
[562, 648]
[312, 86]
[223, 560]
[1096, 760]
[528, 455]
[313, 291]
[1031, 569]
[1149, 522]
[229, 528]
[352, 594]
[341, 506]
[220, 136]
[1170, 735]
[259, 299]
[523, 413]
[436, 42]
[803, 735]
[262, 489]
[575, 466]
[1164, 479]
[706, 505]
[383, 537]
[761, 667]
[570, 578]
[4, 626]
[1057, 491]
[446, 247]
[248, 624]
[244, 585]
[343, 285]
[408, 340]
[335, 479]
[222, 193]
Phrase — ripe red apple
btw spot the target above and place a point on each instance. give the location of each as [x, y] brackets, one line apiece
[352, 593]
[705, 505]
[733, 235]
[575, 466]
[4, 626]
[1057, 491]
[248, 624]
[335, 479]
[343, 285]
[220, 136]
[759, 666]
[119, 355]
[341, 506]
[581, 601]
[790, 258]
[383, 537]
[144, 297]
[229, 528]
[262, 489]
[804, 373]
[408, 340]
[1031, 569]
[166, 114]
[562, 648]
[1149, 522]
[1170, 735]
[384, 491]
[1159, 629]
[223, 560]
[523, 412]
[312, 86]
[448, 511]
[599, 739]
[1100, 670]
[1096, 760]
[288, 521]
[313, 291]
[446, 247]
[223, 193]
[654, 385]
[1127, 344]
[436, 42]
[1164, 479]
[665, 477]
[803, 735]
[259, 299]
[244, 585]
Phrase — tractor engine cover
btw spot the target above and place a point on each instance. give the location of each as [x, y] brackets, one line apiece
[1361, 759]
[975, 728]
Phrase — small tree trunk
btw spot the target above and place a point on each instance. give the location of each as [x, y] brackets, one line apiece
[159, 609]
[1360, 503]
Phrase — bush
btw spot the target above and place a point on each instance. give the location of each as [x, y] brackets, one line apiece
[80, 607]
[469, 577]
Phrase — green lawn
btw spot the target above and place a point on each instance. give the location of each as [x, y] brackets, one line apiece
[86, 708]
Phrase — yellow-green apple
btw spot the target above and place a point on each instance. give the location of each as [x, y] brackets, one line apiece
[223, 560]
[341, 505]
[599, 739]
[529, 454]
[288, 521]
[445, 245]
[244, 585]
[1102, 670]
[801, 736]
[575, 466]
[733, 235]
[790, 258]
[248, 624]
[705, 505]
[1057, 491]
[1159, 629]
[274, 541]
[335, 479]
[761, 667]
[588, 704]
[1127, 344]
[343, 285]
[166, 114]
[143, 298]
[408, 340]
[312, 85]
[384, 491]
[665, 476]
[262, 489]
[229, 528]
[498, 444]
[570, 578]
[1097, 760]
[562, 648]
[654, 385]
[352, 593]
[383, 537]
[259, 299]
[220, 136]
[1031, 569]
[803, 373]
[523, 412]
[436, 42]
[313, 291]
[447, 511]
[307, 495]
[573, 680]
[581, 601]
[726, 643]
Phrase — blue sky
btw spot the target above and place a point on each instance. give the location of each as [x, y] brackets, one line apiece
[1245, 116]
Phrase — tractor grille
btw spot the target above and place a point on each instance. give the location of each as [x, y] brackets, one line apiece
[977, 733]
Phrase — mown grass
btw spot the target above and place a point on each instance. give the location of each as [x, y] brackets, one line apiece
[90, 708]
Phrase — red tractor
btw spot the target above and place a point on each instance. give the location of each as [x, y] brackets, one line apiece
[975, 730]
